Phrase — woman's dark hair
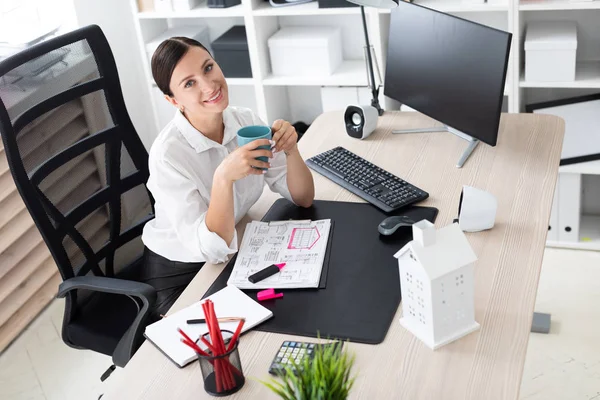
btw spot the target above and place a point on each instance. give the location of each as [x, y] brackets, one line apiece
[166, 57]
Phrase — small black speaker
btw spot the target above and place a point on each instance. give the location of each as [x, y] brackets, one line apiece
[360, 121]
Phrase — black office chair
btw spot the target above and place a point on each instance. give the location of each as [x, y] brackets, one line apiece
[81, 169]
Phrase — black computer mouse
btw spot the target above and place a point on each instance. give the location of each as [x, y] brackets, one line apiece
[391, 224]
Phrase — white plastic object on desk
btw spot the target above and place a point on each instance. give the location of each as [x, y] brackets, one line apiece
[477, 209]
[550, 51]
[305, 51]
[437, 284]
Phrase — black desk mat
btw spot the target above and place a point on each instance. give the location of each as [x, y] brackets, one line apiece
[363, 287]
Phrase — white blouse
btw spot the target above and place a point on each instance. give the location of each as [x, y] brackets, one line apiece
[182, 162]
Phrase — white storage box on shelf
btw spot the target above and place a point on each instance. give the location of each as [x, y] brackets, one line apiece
[550, 51]
[197, 32]
[305, 51]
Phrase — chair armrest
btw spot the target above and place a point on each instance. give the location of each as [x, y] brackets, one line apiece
[130, 341]
[109, 285]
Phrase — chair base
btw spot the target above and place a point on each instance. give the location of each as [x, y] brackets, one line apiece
[107, 373]
[540, 323]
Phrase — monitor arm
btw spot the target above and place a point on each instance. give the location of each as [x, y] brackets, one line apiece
[371, 76]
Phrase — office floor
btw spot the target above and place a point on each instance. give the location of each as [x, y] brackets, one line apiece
[562, 365]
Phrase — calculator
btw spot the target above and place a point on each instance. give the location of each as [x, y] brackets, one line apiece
[295, 351]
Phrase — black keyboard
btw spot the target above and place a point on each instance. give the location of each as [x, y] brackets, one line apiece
[375, 185]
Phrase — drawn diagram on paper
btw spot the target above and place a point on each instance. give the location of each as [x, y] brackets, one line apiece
[249, 262]
[304, 238]
[257, 241]
[270, 230]
[272, 256]
[304, 258]
[276, 240]
[299, 244]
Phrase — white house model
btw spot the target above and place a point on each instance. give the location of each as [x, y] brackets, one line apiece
[436, 282]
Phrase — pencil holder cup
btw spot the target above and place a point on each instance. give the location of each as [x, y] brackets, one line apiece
[222, 374]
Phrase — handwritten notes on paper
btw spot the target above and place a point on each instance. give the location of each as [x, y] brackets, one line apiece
[299, 244]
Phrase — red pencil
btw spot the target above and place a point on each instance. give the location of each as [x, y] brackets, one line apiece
[208, 344]
[229, 380]
[218, 339]
[195, 347]
[210, 328]
[236, 335]
[190, 344]
[216, 364]
[224, 371]
[185, 336]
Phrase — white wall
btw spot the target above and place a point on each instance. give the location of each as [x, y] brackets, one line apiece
[116, 21]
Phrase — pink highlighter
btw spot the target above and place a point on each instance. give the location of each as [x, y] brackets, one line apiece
[268, 294]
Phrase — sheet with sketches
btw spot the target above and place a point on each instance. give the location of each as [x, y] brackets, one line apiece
[300, 244]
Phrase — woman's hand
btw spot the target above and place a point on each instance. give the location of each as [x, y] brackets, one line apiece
[284, 136]
[242, 161]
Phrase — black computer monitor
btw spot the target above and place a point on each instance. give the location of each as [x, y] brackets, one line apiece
[448, 68]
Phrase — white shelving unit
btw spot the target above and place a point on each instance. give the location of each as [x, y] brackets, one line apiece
[586, 14]
[299, 98]
[457, 6]
[587, 77]
[202, 11]
[586, 168]
[265, 9]
[589, 225]
[589, 235]
[537, 5]
[349, 73]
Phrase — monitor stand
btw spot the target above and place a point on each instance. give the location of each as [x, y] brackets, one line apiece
[472, 141]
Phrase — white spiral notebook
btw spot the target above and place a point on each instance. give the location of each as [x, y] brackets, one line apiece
[228, 302]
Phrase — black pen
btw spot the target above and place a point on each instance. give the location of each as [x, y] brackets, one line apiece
[265, 273]
[203, 321]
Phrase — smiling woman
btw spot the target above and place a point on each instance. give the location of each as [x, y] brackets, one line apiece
[175, 70]
[203, 182]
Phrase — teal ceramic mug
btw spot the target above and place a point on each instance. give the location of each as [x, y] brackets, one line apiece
[251, 133]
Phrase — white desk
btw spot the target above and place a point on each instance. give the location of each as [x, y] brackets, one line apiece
[488, 364]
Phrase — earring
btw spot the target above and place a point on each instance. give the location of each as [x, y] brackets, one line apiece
[181, 109]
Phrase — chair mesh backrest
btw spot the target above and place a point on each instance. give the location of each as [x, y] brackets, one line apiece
[75, 157]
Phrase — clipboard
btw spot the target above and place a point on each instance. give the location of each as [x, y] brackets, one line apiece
[301, 245]
[326, 259]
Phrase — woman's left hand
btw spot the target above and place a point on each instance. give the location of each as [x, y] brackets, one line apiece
[284, 136]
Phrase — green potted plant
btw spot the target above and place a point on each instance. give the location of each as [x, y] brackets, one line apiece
[325, 377]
